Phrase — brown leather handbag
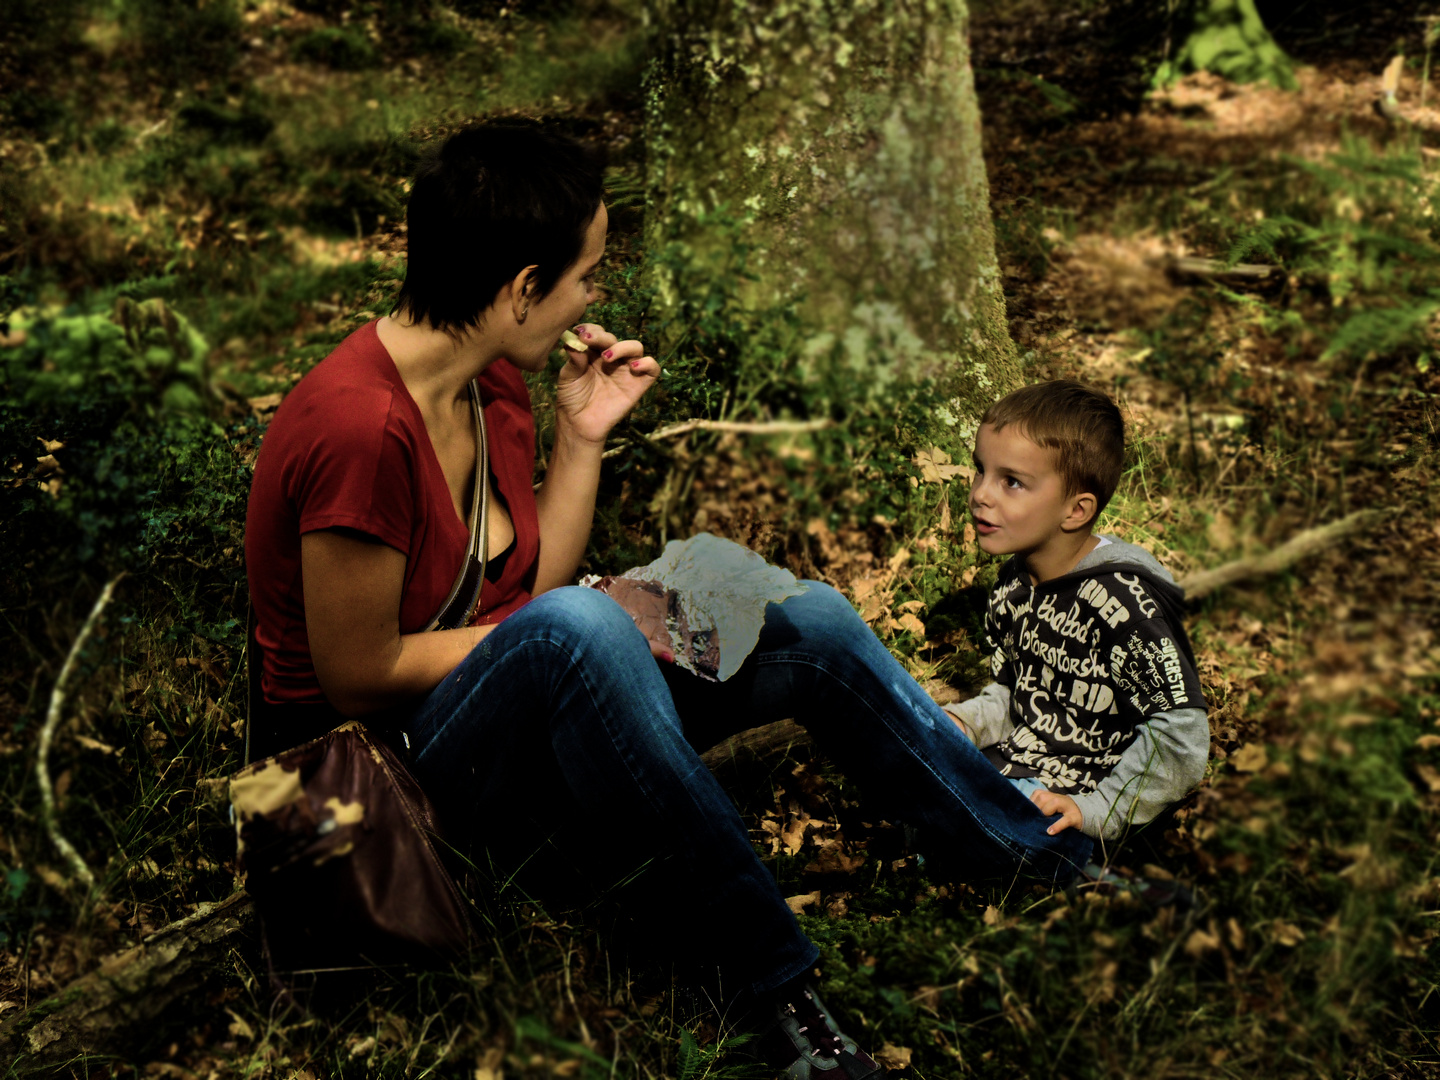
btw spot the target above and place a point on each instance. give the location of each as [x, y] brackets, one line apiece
[337, 844]
[338, 848]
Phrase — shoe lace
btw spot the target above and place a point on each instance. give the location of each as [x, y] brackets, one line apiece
[812, 1024]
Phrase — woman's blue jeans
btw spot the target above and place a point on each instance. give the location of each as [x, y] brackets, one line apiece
[562, 715]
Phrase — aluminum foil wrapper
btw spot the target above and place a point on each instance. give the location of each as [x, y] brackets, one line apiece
[706, 596]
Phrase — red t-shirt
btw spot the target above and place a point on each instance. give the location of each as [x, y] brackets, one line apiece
[348, 448]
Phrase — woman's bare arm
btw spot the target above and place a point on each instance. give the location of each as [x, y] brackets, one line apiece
[565, 505]
[593, 393]
[352, 618]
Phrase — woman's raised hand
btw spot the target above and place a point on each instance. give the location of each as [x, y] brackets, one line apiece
[599, 386]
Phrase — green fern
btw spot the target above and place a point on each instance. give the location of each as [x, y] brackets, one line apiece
[1382, 330]
[1259, 239]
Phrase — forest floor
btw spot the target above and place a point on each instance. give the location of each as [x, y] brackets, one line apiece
[1258, 408]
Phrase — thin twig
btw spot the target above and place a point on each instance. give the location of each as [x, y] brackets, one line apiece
[47, 735]
[770, 427]
[1282, 558]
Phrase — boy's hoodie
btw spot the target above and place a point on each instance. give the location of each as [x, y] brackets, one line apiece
[1095, 692]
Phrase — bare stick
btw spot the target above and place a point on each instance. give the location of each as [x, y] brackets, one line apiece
[765, 742]
[770, 427]
[1216, 270]
[1286, 555]
[47, 735]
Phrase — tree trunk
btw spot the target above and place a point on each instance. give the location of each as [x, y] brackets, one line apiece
[834, 147]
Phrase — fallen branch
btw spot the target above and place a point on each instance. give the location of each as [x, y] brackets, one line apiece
[47, 735]
[1282, 558]
[118, 1005]
[767, 741]
[1216, 270]
[767, 427]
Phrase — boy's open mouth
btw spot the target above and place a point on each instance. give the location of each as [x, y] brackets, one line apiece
[983, 527]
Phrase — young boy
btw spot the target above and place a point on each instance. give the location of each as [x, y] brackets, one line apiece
[1096, 711]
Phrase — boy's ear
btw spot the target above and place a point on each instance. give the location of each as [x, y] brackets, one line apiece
[1084, 509]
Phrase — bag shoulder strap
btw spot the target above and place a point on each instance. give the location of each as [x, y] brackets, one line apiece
[464, 599]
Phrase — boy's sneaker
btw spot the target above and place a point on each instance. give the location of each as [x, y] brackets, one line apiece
[802, 1039]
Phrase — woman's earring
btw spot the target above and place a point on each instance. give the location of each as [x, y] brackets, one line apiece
[523, 314]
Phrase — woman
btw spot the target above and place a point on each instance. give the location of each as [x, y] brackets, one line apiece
[551, 705]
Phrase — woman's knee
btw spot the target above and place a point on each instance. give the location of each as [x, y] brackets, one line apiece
[823, 607]
[580, 617]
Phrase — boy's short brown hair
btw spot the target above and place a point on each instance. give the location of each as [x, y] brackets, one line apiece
[1079, 424]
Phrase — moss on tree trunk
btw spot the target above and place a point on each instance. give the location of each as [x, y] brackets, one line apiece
[844, 135]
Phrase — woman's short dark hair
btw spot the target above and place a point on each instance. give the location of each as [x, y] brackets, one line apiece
[490, 201]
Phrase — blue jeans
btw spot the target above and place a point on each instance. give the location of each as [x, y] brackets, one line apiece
[562, 714]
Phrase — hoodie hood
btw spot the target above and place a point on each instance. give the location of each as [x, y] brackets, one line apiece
[1118, 551]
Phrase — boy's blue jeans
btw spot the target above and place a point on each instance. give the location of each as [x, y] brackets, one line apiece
[562, 715]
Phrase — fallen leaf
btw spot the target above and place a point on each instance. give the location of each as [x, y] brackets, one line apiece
[894, 1057]
[1236, 934]
[801, 901]
[1430, 776]
[899, 559]
[991, 916]
[1221, 532]
[240, 1027]
[1250, 758]
[793, 835]
[1287, 934]
[1428, 742]
[912, 624]
[94, 744]
[1201, 942]
[834, 860]
[935, 467]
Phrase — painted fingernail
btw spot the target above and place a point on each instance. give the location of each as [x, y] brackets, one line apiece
[608, 353]
[634, 363]
[668, 657]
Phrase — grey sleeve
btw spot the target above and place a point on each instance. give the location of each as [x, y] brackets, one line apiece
[986, 716]
[1164, 762]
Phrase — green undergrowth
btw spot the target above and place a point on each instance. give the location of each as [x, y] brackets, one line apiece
[175, 281]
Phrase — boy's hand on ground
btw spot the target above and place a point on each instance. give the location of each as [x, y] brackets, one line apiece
[1050, 803]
